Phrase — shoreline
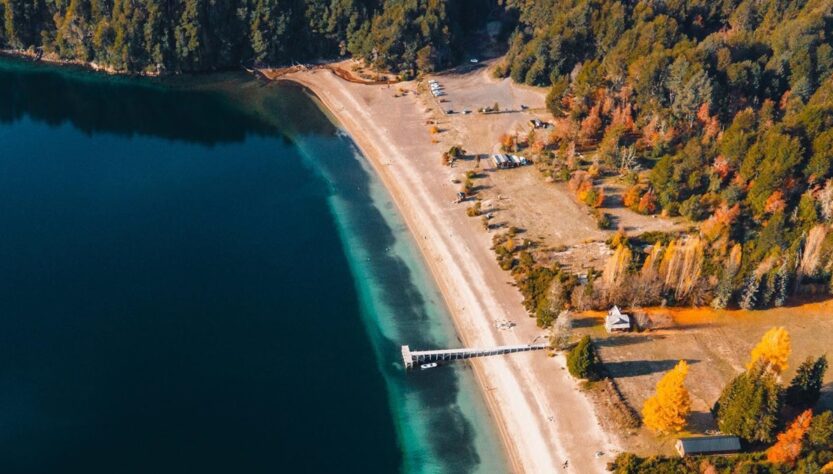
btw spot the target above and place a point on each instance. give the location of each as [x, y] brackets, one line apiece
[51, 60]
[511, 451]
[537, 419]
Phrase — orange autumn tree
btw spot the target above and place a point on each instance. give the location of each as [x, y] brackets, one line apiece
[788, 447]
[667, 410]
[773, 350]
[647, 204]
[632, 197]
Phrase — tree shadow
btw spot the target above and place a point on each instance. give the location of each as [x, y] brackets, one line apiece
[701, 422]
[587, 322]
[614, 220]
[686, 327]
[635, 368]
[612, 201]
[826, 399]
[626, 340]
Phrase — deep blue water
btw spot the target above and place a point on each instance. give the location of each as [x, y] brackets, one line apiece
[202, 275]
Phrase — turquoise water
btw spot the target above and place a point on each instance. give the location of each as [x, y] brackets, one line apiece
[203, 275]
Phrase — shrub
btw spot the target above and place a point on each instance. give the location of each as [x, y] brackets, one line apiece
[593, 197]
[603, 220]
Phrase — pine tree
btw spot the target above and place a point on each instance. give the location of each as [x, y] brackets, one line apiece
[582, 360]
[791, 441]
[750, 404]
[805, 388]
[820, 435]
[189, 35]
[667, 410]
[773, 351]
[749, 295]
[782, 284]
[767, 293]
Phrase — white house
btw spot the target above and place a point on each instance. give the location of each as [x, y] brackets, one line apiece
[616, 321]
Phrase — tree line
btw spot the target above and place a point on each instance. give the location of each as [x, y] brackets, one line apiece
[204, 35]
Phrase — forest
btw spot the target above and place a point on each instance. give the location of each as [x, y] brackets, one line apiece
[205, 35]
[715, 112]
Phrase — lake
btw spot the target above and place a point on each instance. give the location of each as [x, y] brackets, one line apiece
[204, 275]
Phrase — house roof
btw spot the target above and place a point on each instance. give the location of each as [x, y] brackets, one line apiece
[616, 318]
[709, 444]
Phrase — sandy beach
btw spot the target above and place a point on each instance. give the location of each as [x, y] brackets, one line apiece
[542, 416]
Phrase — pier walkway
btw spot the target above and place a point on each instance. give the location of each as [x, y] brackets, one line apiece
[412, 358]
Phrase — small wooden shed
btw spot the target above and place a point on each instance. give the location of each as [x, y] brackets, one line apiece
[723, 444]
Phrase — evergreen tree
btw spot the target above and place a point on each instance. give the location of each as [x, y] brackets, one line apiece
[820, 435]
[582, 360]
[782, 283]
[749, 295]
[189, 36]
[805, 388]
[749, 405]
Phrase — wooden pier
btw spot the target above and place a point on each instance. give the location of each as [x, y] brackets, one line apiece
[412, 358]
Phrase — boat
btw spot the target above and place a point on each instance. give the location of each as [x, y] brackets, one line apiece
[429, 365]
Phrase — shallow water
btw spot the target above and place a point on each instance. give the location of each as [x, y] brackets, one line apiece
[203, 275]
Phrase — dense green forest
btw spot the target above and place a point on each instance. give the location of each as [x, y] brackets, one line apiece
[201, 35]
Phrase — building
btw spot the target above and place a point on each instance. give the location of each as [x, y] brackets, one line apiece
[617, 321]
[707, 445]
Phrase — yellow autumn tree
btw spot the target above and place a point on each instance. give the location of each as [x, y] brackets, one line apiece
[667, 410]
[827, 467]
[773, 350]
[617, 265]
[682, 265]
[788, 447]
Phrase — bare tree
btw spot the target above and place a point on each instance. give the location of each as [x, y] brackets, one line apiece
[627, 160]
[561, 333]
